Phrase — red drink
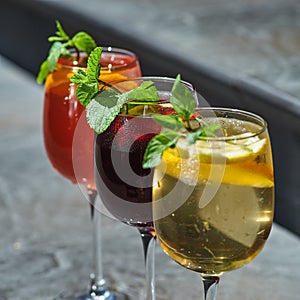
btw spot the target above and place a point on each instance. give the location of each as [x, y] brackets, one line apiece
[124, 186]
[62, 113]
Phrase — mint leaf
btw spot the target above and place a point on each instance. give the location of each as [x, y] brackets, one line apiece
[182, 99]
[85, 92]
[108, 98]
[81, 41]
[79, 77]
[64, 52]
[193, 136]
[145, 92]
[184, 103]
[93, 69]
[42, 72]
[168, 121]
[156, 147]
[102, 107]
[88, 84]
[102, 110]
[55, 39]
[84, 42]
[54, 55]
[210, 129]
[60, 32]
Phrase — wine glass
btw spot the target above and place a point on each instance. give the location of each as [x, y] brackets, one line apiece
[125, 188]
[62, 112]
[213, 200]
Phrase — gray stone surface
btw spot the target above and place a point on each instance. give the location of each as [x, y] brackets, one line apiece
[45, 236]
[253, 38]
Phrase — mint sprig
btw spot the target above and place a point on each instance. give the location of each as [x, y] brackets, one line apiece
[106, 104]
[61, 46]
[103, 105]
[88, 82]
[182, 99]
[184, 104]
[157, 146]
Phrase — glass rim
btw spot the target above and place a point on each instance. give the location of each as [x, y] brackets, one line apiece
[106, 49]
[251, 117]
[153, 77]
[150, 78]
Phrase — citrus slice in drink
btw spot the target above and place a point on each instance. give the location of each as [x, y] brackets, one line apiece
[112, 77]
[238, 163]
[231, 151]
[229, 181]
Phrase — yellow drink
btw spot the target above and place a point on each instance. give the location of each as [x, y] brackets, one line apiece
[213, 201]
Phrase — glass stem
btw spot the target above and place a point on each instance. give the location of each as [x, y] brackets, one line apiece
[98, 285]
[210, 287]
[149, 254]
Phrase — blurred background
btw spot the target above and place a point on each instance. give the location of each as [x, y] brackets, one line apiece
[237, 53]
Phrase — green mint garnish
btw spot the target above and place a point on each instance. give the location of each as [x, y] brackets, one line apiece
[106, 104]
[102, 110]
[156, 147]
[169, 121]
[85, 92]
[184, 104]
[88, 82]
[182, 99]
[83, 41]
[62, 43]
[60, 34]
[145, 92]
[192, 137]
[103, 105]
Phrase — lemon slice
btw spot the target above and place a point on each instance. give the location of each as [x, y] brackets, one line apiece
[230, 151]
[252, 174]
[213, 151]
[224, 213]
[235, 165]
[112, 77]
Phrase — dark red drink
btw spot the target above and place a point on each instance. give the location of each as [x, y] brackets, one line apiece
[124, 186]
